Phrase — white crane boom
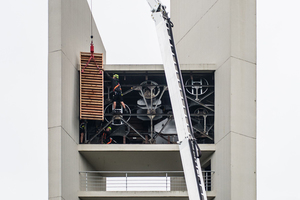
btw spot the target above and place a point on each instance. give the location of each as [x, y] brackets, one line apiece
[189, 150]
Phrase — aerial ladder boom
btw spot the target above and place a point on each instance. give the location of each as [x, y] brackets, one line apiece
[189, 149]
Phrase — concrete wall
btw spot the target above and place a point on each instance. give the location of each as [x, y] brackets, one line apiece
[69, 34]
[224, 33]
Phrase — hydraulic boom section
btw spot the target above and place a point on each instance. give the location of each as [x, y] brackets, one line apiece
[189, 150]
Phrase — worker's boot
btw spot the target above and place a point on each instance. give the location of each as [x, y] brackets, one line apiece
[110, 140]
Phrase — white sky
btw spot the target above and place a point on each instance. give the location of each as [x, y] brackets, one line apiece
[125, 28]
[23, 87]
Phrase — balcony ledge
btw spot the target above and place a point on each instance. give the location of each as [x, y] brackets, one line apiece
[161, 194]
[137, 194]
[139, 147]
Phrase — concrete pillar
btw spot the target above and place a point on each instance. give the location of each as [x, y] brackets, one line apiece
[224, 33]
[69, 33]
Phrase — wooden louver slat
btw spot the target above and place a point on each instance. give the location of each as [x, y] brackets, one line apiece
[91, 87]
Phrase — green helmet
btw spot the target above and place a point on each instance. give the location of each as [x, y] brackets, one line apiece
[116, 76]
[109, 128]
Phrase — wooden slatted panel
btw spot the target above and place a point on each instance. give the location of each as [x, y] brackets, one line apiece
[91, 87]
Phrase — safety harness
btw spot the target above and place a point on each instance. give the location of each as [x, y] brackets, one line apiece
[117, 87]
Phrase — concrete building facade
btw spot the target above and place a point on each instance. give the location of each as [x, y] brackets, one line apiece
[224, 33]
[216, 37]
[69, 33]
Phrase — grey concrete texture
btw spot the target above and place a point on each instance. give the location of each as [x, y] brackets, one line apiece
[137, 157]
[150, 67]
[224, 33]
[70, 29]
[54, 165]
[212, 31]
[126, 195]
[235, 100]
[69, 34]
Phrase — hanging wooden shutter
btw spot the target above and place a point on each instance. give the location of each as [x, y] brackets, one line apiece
[91, 87]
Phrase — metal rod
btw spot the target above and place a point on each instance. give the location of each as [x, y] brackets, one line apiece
[108, 93]
[93, 179]
[126, 181]
[203, 133]
[133, 172]
[132, 129]
[166, 181]
[169, 119]
[86, 184]
[165, 88]
[151, 119]
[200, 103]
[99, 131]
[209, 128]
[204, 124]
[204, 97]
[144, 97]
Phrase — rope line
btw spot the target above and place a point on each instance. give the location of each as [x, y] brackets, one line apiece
[91, 18]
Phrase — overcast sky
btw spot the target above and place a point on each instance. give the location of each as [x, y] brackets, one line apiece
[23, 87]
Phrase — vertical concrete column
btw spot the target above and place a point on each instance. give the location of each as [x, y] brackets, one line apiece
[243, 99]
[54, 100]
[224, 33]
[69, 34]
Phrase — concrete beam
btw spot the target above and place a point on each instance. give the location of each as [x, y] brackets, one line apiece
[159, 67]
